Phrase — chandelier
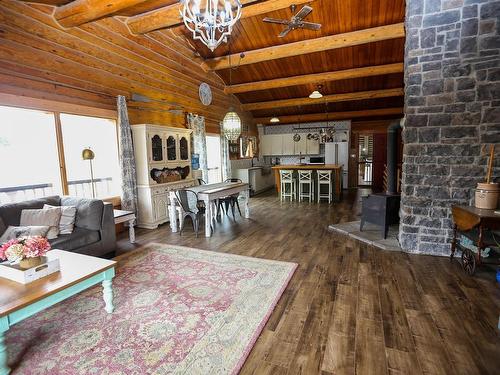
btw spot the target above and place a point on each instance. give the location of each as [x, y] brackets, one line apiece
[231, 125]
[210, 21]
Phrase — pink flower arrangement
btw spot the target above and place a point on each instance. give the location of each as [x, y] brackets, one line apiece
[24, 247]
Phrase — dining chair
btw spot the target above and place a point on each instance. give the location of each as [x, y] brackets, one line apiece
[189, 202]
[229, 201]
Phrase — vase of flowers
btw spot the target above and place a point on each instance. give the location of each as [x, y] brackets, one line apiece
[27, 251]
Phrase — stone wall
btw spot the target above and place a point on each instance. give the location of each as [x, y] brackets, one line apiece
[452, 109]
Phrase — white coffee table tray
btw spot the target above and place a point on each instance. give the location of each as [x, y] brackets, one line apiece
[15, 273]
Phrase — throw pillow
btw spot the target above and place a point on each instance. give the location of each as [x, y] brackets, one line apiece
[49, 217]
[3, 227]
[15, 232]
[67, 222]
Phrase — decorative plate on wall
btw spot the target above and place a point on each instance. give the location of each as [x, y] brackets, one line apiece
[205, 93]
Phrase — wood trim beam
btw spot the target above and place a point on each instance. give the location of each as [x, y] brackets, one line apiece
[316, 78]
[48, 105]
[360, 95]
[79, 12]
[303, 47]
[169, 16]
[331, 116]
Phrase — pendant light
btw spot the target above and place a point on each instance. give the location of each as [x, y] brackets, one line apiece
[231, 124]
[316, 94]
[274, 119]
[210, 21]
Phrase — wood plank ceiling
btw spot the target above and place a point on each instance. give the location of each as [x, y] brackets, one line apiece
[358, 61]
[336, 17]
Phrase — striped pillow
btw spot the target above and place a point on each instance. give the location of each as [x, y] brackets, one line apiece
[67, 222]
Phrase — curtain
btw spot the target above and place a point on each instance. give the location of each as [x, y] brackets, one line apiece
[127, 158]
[199, 141]
[224, 149]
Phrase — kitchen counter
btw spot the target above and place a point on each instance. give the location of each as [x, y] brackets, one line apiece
[337, 174]
[260, 178]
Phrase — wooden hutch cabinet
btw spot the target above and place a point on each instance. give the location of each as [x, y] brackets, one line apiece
[163, 163]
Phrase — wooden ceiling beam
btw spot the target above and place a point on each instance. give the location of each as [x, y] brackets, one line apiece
[79, 12]
[316, 78]
[47, 2]
[169, 16]
[361, 95]
[311, 117]
[303, 47]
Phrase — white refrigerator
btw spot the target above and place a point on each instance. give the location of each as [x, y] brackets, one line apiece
[338, 153]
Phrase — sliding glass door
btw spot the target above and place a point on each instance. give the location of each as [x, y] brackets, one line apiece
[214, 159]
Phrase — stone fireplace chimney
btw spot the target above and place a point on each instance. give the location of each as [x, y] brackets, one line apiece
[452, 113]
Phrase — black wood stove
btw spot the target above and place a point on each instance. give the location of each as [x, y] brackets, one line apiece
[380, 209]
[383, 209]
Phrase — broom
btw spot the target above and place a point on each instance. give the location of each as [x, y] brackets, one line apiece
[490, 164]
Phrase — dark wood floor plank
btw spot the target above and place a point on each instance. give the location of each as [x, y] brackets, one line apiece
[350, 308]
[402, 362]
[370, 348]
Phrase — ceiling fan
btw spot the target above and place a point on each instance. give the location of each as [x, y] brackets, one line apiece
[296, 22]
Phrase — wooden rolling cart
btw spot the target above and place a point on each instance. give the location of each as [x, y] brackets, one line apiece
[477, 225]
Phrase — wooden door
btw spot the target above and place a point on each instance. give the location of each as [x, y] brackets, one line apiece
[379, 160]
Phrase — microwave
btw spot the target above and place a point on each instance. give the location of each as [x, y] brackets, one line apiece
[317, 160]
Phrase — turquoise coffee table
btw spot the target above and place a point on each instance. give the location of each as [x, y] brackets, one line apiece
[78, 272]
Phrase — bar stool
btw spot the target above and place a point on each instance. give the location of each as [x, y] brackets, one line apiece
[305, 179]
[325, 178]
[287, 179]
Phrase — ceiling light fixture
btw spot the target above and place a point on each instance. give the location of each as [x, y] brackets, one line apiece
[274, 120]
[210, 21]
[316, 94]
[231, 124]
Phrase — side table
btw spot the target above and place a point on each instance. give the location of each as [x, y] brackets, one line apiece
[122, 216]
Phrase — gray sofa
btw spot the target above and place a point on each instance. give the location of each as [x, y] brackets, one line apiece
[94, 232]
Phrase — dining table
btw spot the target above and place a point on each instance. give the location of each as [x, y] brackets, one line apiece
[209, 194]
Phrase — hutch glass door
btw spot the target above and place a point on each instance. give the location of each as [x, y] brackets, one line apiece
[156, 148]
[171, 148]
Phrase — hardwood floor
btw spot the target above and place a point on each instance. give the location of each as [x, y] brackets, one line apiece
[351, 308]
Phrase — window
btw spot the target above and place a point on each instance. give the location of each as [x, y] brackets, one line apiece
[98, 134]
[28, 155]
[41, 154]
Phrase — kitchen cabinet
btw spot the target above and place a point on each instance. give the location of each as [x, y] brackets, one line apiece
[276, 144]
[300, 147]
[283, 144]
[288, 144]
[265, 145]
[259, 178]
[312, 147]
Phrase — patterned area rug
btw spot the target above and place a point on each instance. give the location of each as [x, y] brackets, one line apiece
[177, 310]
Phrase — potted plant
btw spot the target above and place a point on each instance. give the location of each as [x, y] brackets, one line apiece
[27, 251]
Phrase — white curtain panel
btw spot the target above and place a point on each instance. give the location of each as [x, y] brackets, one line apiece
[127, 158]
[224, 149]
[199, 141]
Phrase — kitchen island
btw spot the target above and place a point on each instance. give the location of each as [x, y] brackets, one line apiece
[336, 174]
